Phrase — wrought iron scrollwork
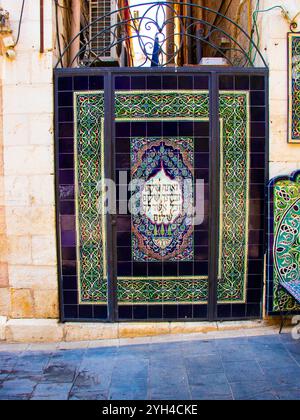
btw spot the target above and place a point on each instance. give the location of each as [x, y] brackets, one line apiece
[162, 33]
[294, 27]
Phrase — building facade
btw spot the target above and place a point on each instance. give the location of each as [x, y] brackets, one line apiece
[36, 260]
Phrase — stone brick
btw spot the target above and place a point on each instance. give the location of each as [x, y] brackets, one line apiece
[33, 331]
[3, 274]
[143, 329]
[11, 70]
[192, 327]
[2, 220]
[291, 153]
[278, 126]
[31, 12]
[19, 249]
[43, 72]
[1, 151]
[278, 88]
[30, 39]
[39, 99]
[28, 160]
[44, 250]
[41, 129]
[2, 192]
[282, 168]
[2, 328]
[241, 325]
[90, 332]
[46, 304]
[3, 248]
[23, 221]
[33, 277]
[276, 106]
[275, 48]
[16, 130]
[22, 304]
[41, 196]
[16, 190]
[5, 300]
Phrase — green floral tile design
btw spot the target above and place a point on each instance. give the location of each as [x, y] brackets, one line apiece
[90, 221]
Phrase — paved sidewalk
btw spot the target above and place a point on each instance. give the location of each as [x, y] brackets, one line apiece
[245, 367]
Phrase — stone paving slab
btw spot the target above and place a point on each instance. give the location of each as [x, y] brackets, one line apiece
[226, 366]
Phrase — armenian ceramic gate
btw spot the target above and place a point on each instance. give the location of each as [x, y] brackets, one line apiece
[151, 258]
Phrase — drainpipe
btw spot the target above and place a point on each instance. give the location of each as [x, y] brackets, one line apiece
[75, 29]
[42, 35]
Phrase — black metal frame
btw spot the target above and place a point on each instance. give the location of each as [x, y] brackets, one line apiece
[214, 73]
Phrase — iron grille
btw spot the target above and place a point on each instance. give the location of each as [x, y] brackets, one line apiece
[100, 30]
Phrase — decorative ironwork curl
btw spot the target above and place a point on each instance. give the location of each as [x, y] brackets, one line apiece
[294, 27]
[152, 30]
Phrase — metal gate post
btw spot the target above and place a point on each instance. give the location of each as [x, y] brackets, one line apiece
[109, 128]
[214, 195]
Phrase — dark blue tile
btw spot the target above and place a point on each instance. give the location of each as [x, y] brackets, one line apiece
[208, 364]
[96, 82]
[65, 99]
[122, 83]
[250, 390]
[248, 371]
[275, 358]
[257, 82]
[283, 376]
[211, 387]
[154, 82]
[65, 83]
[242, 83]
[81, 83]
[201, 82]
[226, 83]
[138, 82]
[288, 394]
[13, 387]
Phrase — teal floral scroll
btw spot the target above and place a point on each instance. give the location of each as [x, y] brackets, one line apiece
[286, 248]
[294, 88]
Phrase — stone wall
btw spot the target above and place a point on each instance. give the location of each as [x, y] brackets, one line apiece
[4, 283]
[284, 157]
[28, 273]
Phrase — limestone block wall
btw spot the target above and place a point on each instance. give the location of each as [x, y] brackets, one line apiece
[284, 157]
[28, 272]
[4, 292]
